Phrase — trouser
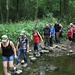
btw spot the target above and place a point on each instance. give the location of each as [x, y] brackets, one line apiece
[19, 55]
[57, 38]
[36, 46]
[51, 41]
[46, 40]
[73, 37]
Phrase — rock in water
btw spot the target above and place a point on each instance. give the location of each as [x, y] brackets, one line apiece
[44, 51]
[9, 74]
[19, 71]
[37, 55]
[31, 56]
[71, 51]
[33, 59]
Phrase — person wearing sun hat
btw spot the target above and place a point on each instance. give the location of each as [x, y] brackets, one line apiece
[8, 53]
[23, 44]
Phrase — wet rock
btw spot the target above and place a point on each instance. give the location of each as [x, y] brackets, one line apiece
[31, 56]
[70, 51]
[30, 50]
[64, 48]
[51, 48]
[19, 66]
[33, 59]
[30, 53]
[37, 55]
[52, 68]
[19, 71]
[44, 51]
[51, 55]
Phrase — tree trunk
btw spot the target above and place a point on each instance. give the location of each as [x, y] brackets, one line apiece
[17, 12]
[60, 6]
[1, 13]
[7, 7]
[36, 10]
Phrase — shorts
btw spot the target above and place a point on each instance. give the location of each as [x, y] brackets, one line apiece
[70, 39]
[8, 58]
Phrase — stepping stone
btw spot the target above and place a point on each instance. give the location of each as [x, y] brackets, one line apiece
[37, 55]
[19, 71]
[68, 54]
[51, 48]
[64, 48]
[31, 56]
[30, 50]
[33, 59]
[18, 66]
[71, 51]
[44, 51]
[24, 65]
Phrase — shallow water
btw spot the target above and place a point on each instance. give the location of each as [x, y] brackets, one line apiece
[51, 64]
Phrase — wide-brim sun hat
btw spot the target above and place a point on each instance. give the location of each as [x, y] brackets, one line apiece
[4, 38]
[22, 33]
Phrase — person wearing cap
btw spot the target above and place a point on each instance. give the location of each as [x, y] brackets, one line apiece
[52, 34]
[23, 44]
[8, 53]
[46, 35]
[36, 36]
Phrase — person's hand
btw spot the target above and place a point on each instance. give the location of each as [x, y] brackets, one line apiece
[59, 30]
[15, 56]
[42, 40]
[54, 35]
[43, 36]
[17, 49]
[50, 36]
[27, 51]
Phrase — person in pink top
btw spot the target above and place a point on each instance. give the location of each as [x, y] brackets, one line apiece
[69, 34]
[36, 41]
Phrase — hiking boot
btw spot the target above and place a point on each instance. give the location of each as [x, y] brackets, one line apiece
[34, 52]
[14, 70]
[38, 53]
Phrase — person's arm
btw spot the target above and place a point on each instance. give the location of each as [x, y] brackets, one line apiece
[14, 50]
[27, 47]
[40, 36]
[0, 46]
[50, 34]
[43, 34]
[31, 37]
[17, 45]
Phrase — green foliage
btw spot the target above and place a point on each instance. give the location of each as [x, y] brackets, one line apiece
[13, 29]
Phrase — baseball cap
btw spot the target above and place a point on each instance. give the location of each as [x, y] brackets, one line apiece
[22, 33]
[4, 38]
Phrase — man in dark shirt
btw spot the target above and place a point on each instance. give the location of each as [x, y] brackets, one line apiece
[58, 29]
[46, 35]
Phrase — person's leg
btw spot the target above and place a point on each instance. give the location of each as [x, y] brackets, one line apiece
[38, 48]
[34, 48]
[51, 40]
[48, 37]
[56, 37]
[5, 67]
[45, 40]
[25, 55]
[4, 61]
[19, 55]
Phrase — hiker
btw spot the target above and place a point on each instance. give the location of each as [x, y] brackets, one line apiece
[36, 36]
[46, 35]
[8, 53]
[23, 44]
[69, 35]
[73, 31]
[52, 34]
[58, 29]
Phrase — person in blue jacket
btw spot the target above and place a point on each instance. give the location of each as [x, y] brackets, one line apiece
[52, 34]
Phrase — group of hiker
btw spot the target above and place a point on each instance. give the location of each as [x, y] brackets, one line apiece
[71, 33]
[9, 50]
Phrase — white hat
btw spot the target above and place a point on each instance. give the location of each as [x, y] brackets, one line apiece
[22, 33]
[71, 24]
[4, 38]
